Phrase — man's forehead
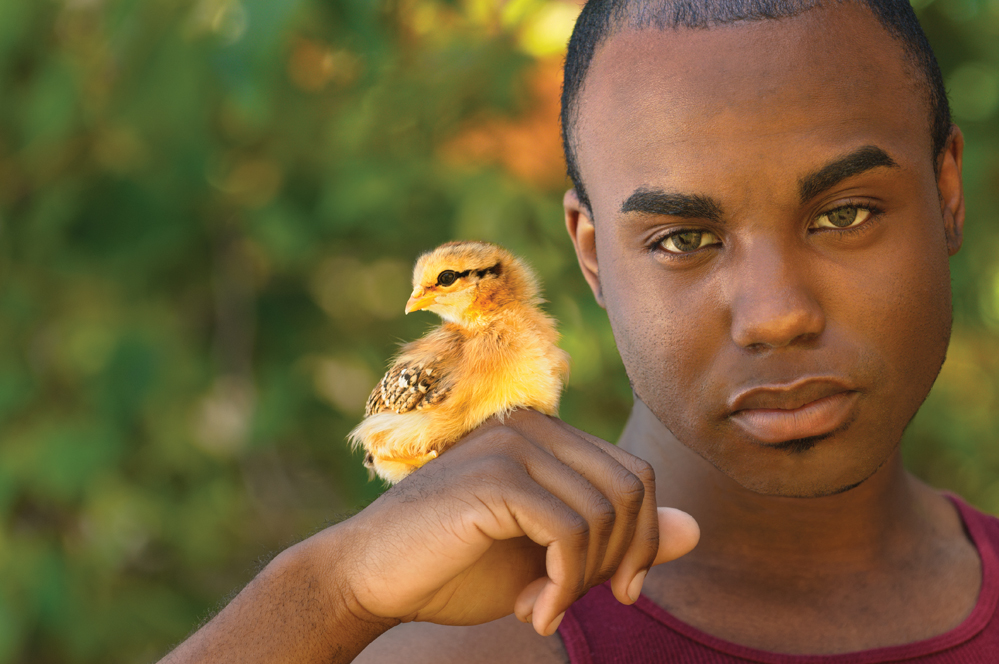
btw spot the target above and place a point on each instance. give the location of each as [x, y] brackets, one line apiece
[676, 98]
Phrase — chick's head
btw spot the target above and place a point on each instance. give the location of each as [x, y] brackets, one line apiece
[468, 283]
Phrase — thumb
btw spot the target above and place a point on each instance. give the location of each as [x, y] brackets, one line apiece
[678, 534]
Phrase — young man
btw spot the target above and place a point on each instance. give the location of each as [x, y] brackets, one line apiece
[766, 197]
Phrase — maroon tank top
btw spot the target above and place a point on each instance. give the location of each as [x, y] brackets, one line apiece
[598, 629]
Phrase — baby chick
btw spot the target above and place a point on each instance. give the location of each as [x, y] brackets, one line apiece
[495, 352]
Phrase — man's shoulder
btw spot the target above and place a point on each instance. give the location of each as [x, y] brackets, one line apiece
[980, 525]
[503, 640]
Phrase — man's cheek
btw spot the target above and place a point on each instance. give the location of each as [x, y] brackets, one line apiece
[920, 340]
[912, 321]
[663, 358]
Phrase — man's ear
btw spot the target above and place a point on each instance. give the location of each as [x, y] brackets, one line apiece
[951, 190]
[580, 227]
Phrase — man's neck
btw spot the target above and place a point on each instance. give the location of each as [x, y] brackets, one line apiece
[769, 556]
[860, 522]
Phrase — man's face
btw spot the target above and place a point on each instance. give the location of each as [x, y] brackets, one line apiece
[769, 240]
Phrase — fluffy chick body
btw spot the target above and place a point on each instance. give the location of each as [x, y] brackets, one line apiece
[496, 351]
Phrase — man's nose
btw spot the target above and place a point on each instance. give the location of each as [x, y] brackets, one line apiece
[774, 300]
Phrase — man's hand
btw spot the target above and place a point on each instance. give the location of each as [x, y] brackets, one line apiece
[522, 517]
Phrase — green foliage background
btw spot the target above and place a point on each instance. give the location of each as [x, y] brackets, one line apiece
[208, 213]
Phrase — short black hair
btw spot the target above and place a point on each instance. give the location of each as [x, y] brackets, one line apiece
[600, 19]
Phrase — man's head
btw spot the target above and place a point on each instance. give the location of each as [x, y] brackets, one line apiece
[601, 19]
[770, 234]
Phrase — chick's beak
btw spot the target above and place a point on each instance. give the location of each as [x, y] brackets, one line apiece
[420, 299]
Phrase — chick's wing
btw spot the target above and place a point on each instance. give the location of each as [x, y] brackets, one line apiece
[408, 385]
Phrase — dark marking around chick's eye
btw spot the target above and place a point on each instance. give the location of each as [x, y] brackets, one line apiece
[448, 277]
[494, 270]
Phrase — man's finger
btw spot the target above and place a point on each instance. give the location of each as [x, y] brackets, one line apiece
[678, 531]
[619, 488]
[678, 534]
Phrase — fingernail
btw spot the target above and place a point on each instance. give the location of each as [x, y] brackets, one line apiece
[529, 618]
[635, 589]
[555, 623]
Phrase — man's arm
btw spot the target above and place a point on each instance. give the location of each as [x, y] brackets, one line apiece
[498, 642]
[521, 518]
[296, 610]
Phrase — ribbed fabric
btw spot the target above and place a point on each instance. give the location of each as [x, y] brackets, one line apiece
[597, 629]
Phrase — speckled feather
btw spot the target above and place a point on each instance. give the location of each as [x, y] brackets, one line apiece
[407, 387]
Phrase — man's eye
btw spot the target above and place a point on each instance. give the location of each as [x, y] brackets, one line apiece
[686, 241]
[842, 217]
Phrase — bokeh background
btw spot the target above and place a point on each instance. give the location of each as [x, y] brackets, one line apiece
[208, 214]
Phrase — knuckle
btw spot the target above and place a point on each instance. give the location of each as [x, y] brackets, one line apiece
[577, 529]
[642, 469]
[628, 492]
[632, 489]
[603, 516]
[499, 441]
[506, 439]
[491, 468]
[521, 415]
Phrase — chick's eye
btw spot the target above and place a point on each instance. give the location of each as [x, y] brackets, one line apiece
[446, 278]
[842, 217]
[687, 241]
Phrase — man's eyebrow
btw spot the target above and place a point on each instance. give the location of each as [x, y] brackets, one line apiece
[688, 206]
[855, 163]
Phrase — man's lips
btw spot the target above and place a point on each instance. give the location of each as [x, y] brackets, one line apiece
[775, 414]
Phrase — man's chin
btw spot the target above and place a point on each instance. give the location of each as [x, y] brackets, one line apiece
[810, 478]
[775, 490]
[799, 468]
